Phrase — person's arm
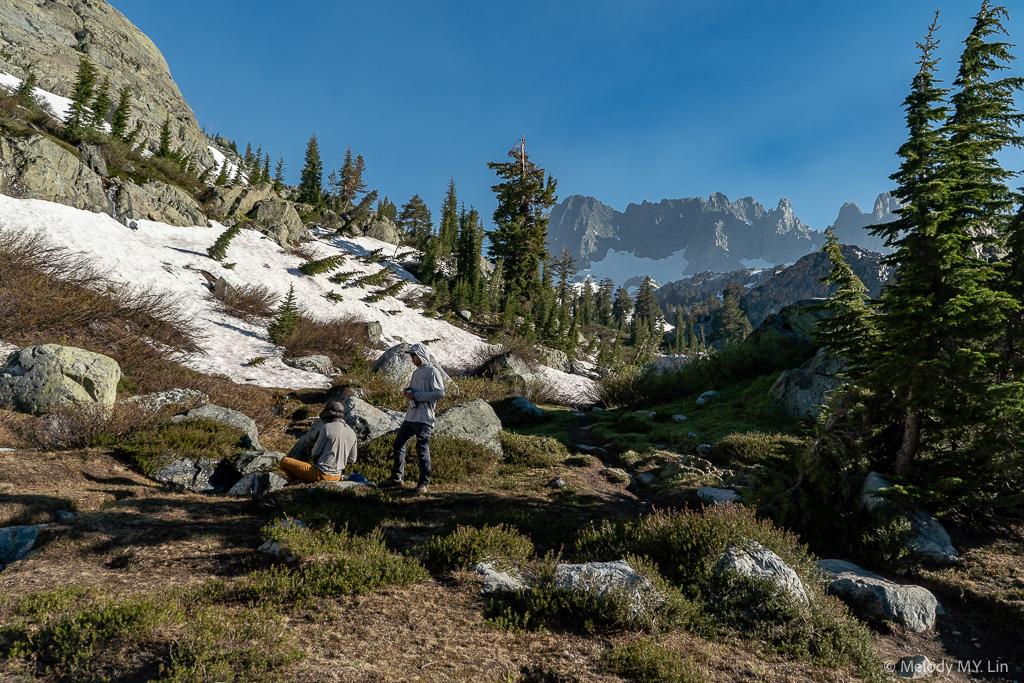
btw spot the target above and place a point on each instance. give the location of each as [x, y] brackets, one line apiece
[435, 383]
[353, 453]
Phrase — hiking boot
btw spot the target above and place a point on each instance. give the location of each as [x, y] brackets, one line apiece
[390, 484]
[420, 489]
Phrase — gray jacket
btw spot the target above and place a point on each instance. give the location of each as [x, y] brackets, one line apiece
[428, 384]
[335, 448]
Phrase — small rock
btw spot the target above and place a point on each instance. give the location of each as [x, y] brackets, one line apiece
[578, 413]
[709, 494]
[65, 517]
[318, 364]
[645, 477]
[343, 484]
[679, 418]
[604, 578]
[184, 398]
[705, 449]
[915, 667]
[495, 581]
[692, 435]
[465, 315]
[249, 462]
[615, 475]
[557, 483]
[526, 407]
[706, 397]
[646, 413]
[258, 484]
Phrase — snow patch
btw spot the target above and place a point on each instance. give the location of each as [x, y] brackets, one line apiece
[621, 266]
[757, 263]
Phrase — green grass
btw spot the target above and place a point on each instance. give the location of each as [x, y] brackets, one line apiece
[157, 445]
[645, 660]
[467, 546]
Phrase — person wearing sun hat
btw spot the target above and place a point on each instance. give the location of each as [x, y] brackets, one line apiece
[426, 388]
[335, 448]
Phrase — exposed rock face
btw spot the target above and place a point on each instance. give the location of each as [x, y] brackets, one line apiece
[238, 200]
[37, 379]
[717, 234]
[37, 167]
[806, 389]
[250, 462]
[187, 398]
[49, 37]
[851, 224]
[753, 560]
[474, 421]
[157, 201]
[278, 219]
[874, 597]
[496, 581]
[257, 484]
[383, 230]
[199, 475]
[368, 422]
[555, 358]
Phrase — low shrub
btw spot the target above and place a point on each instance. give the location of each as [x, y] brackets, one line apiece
[249, 302]
[467, 546]
[77, 426]
[452, 461]
[332, 563]
[546, 605]
[531, 451]
[339, 339]
[324, 265]
[219, 249]
[645, 660]
[580, 460]
[160, 443]
[759, 447]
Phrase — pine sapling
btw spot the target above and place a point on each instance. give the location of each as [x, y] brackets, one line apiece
[220, 248]
[287, 319]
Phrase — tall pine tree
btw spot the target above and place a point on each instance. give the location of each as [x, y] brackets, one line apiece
[311, 182]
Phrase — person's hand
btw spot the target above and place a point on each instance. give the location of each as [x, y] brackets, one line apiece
[409, 393]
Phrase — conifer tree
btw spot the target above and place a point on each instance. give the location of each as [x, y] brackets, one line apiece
[81, 98]
[848, 330]
[265, 173]
[621, 307]
[310, 183]
[279, 173]
[222, 177]
[448, 228]
[520, 221]
[100, 106]
[287, 318]
[26, 91]
[414, 220]
[565, 271]
[470, 244]
[164, 148]
[733, 324]
[645, 311]
[605, 291]
[119, 121]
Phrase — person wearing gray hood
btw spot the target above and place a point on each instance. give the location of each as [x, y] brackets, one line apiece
[425, 389]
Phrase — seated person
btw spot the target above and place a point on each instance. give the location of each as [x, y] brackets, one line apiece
[335, 448]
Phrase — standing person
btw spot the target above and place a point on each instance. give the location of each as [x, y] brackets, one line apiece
[335, 448]
[425, 389]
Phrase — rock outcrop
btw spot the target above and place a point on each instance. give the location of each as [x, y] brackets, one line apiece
[475, 421]
[38, 167]
[278, 220]
[930, 542]
[876, 598]
[229, 417]
[805, 390]
[603, 579]
[38, 379]
[156, 201]
[48, 38]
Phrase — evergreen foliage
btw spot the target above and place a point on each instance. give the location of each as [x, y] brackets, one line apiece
[219, 249]
[448, 229]
[519, 237]
[26, 91]
[848, 330]
[733, 324]
[414, 220]
[119, 121]
[100, 106]
[310, 183]
[164, 149]
[287, 318]
[279, 173]
[81, 98]
[324, 265]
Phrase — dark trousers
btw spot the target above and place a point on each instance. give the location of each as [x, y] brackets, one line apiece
[421, 430]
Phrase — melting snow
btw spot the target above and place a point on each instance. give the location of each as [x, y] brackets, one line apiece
[622, 265]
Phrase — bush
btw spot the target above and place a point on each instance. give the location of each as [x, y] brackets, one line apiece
[324, 265]
[546, 605]
[77, 426]
[332, 563]
[468, 546]
[219, 249]
[248, 302]
[159, 444]
[645, 660]
[531, 451]
[452, 461]
[760, 447]
[339, 339]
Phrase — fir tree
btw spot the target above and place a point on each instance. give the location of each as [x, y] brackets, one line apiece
[605, 291]
[81, 98]
[222, 177]
[265, 173]
[565, 271]
[848, 328]
[520, 221]
[279, 173]
[287, 318]
[468, 253]
[448, 228]
[119, 121]
[164, 149]
[219, 249]
[26, 91]
[645, 311]
[733, 324]
[310, 183]
[414, 220]
[621, 307]
[100, 106]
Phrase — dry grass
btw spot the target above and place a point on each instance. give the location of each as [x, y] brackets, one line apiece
[248, 302]
[339, 339]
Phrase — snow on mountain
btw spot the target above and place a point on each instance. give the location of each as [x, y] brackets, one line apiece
[620, 266]
[60, 106]
[173, 259]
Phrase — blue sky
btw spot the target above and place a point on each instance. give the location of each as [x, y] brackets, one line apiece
[621, 101]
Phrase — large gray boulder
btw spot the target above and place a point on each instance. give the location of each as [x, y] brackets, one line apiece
[753, 560]
[257, 484]
[383, 230]
[253, 462]
[156, 201]
[930, 542]
[395, 364]
[171, 398]
[317, 363]
[37, 167]
[238, 200]
[507, 366]
[38, 379]
[229, 417]
[303, 447]
[474, 421]
[368, 422]
[17, 542]
[199, 475]
[602, 579]
[555, 358]
[497, 581]
[873, 597]
[278, 220]
[806, 389]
